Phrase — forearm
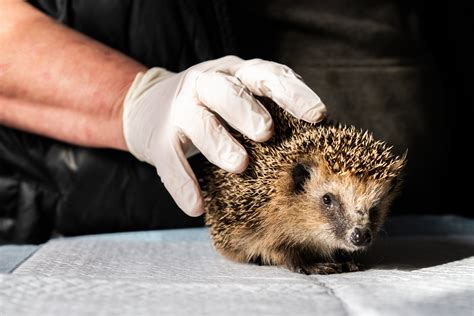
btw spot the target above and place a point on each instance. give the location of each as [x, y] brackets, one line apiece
[62, 123]
[59, 83]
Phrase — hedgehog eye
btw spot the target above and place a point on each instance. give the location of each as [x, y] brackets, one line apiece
[300, 175]
[327, 200]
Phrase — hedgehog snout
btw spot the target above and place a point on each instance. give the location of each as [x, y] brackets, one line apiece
[361, 236]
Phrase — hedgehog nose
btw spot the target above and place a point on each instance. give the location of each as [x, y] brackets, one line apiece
[361, 237]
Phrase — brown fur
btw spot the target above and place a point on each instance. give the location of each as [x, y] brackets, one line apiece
[257, 216]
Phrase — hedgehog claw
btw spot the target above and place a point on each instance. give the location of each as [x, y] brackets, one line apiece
[325, 268]
[352, 266]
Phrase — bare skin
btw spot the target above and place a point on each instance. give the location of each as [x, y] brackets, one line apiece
[59, 83]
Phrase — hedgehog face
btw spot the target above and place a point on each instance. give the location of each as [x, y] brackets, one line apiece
[343, 210]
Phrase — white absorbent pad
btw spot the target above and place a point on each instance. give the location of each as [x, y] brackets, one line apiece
[179, 273]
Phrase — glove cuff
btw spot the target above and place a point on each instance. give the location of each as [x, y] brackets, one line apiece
[141, 84]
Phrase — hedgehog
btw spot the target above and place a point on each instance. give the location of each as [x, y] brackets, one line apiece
[312, 196]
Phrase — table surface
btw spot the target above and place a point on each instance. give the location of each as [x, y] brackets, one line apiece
[417, 270]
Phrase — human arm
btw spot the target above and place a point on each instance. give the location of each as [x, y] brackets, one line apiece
[59, 83]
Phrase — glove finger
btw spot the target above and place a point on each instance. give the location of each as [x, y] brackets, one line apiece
[227, 96]
[282, 85]
[213, 140]
[178, 178]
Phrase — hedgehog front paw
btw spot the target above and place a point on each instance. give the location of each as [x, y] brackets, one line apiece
[321, 268]
[352, 266]
[328, 268]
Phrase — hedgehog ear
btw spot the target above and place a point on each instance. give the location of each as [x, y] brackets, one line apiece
[396, 170]
[300, 174]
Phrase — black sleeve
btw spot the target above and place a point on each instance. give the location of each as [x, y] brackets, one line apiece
[51, 187]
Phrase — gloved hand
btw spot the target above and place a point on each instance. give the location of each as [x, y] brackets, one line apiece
[166, 116]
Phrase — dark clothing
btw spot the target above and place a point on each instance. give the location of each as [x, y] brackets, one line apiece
[377, 64]
[47, 186]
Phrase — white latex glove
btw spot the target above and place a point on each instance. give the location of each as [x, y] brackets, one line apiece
[166, 114]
